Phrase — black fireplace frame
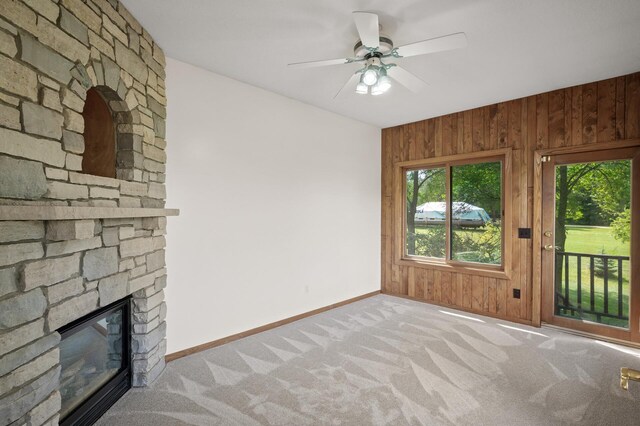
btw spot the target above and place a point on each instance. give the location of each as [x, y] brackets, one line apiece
[99, 402]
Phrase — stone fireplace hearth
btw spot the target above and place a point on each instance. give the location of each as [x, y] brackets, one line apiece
[82, 172]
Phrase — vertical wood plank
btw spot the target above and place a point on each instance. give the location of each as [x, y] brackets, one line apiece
[420, 283]
[568, 100]
[492, 296]
[477, 291]
[410, 134]
[411, 281]
[454, 134]
[461, 131]
[516, 204]
[404, 281]
[445, 278]
[431, 138]
[526, 256]
[437, 286]
[542, 121]
[485, 294]
[466, 291]
[606, 120]
[502, 120]
[478, 129]
[459, 290]
[632, 115]
[532, 126]
[396, 279]
[447, 135]
[396, 144]
[468, 131]
[386, 215]
[514, 125]
[501, 301]
[492, 116]
[438, 136]
[620, 108]
[589, 113]
[556, 119]
[576, 115]
[421, 131]
[430, 285]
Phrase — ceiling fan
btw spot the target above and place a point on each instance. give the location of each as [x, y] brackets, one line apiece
[375, 52]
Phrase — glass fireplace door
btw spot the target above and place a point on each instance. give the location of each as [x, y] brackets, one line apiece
[95, 360]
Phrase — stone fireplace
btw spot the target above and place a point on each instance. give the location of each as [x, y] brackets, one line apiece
[82, 216]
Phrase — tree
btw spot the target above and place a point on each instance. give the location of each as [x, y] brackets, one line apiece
[479, 185]
[590, 194]
[422, 186]
[621, 226]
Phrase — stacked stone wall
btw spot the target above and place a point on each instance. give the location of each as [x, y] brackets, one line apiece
[55, 271]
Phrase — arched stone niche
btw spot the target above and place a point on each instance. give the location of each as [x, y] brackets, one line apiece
[112, 126]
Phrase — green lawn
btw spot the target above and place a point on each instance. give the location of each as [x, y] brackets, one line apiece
[594, 240]
[597, 240]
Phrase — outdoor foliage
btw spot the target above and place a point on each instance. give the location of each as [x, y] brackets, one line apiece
[596, 192]
[592, 194]
[483, 245]
[621, 226]
[480, 185]
[430, 241]
[599, 267]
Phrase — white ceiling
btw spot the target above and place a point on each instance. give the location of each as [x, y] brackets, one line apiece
[516, 47]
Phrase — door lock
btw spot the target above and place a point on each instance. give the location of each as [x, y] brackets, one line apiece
[548, 234]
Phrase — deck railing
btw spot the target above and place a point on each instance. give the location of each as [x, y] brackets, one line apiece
[574, 296]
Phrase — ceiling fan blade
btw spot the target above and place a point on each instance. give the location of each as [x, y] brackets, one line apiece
[439, 44]
[323, 63]
[368, 29]
[407, 79]
[351, 83]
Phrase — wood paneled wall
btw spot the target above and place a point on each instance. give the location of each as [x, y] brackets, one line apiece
[600, 112]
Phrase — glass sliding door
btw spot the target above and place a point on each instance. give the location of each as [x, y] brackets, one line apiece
[588, 224]
[593, 241]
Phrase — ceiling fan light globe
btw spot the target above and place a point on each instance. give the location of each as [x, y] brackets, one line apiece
[378, 89]
[362, 89]
[384, 84]
[370, 77]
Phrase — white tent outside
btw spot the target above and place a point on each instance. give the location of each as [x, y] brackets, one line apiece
[464, 214]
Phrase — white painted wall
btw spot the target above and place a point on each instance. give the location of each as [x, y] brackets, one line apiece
[280, 207]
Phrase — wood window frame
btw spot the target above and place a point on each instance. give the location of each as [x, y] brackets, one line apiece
[502, 271]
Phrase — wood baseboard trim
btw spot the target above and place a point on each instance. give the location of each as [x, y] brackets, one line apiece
[203, 347]
[462, 309]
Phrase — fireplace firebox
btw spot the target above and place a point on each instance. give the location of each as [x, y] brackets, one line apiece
[96, 363]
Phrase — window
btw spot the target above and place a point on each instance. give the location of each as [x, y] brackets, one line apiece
[454, 212]
[426, 213]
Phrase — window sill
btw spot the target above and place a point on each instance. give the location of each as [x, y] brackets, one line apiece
[485, 271]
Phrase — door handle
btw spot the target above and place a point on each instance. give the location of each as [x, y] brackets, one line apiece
[549, 247]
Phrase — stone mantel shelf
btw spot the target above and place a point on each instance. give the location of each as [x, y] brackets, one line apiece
[71, 213]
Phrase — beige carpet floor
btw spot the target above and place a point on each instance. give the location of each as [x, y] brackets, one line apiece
[391, 361]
